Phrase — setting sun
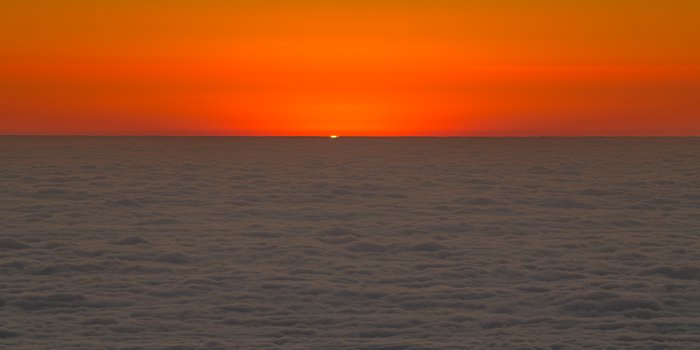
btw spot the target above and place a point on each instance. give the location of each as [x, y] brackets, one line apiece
[512, 174]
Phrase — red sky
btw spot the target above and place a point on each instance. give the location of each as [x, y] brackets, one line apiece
[385, 67]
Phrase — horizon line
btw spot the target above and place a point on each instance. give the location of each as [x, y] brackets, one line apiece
[350, 136]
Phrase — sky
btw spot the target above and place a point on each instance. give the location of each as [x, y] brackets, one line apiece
[374, 68]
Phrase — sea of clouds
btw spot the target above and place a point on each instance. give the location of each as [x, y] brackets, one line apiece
[352, 243]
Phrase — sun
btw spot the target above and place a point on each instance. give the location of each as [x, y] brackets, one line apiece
[334, 136]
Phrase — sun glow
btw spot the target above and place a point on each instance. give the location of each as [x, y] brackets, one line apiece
[360, 68]
[334, 136]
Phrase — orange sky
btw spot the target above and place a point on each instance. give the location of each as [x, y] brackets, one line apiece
[384, 67]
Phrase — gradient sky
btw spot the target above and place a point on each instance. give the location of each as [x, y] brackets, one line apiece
[383, 67]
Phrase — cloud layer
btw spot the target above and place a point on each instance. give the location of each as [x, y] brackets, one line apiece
[160, 243]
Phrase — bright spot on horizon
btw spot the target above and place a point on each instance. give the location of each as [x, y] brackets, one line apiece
[334, 136]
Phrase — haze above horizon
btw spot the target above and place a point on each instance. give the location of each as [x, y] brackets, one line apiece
[381, 68]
